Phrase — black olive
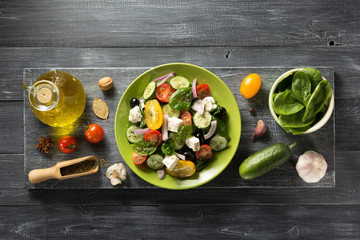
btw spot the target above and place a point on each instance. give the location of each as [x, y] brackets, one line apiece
[134, 102]
[200, 136]
[222, 112]
[189, 155]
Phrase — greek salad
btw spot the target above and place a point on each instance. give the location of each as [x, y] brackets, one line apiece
[176, 126]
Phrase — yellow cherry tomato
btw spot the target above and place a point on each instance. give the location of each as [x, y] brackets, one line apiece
[153, 114]
[183, 168]
[250, 85]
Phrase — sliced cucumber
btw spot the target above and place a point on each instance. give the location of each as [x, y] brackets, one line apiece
[149, 90]
[179, 82]
[171, 112]
[178, 143]
[155, 162]
[131, 135]
[218, 143]
[202, 121]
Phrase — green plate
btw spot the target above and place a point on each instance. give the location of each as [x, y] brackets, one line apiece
[222, 95]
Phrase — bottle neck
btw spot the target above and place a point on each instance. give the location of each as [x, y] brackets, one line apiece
[44, 95]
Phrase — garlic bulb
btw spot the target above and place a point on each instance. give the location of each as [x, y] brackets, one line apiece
[311, 166]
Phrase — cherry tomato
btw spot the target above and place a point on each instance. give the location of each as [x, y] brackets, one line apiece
[204, 153]
[163, 92]
[250, 85]
[186, 117]
[138, 159]
[153, 114]
[94, 133]
[153, 136]
[202, 91]
[67, 144]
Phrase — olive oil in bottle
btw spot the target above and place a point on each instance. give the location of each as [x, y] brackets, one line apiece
[57, 98]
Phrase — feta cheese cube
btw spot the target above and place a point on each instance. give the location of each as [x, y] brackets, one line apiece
[170, 161]
[174, 124]
[210, 104]
[193, 143]
[135, 115]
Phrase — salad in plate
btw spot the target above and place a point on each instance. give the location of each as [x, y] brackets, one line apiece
[176, 126]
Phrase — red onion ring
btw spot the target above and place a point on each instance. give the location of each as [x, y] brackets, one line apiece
[211, 130]
[164, 129]
[194, 88]
[165, 79]
[141, 131]
[161, 78]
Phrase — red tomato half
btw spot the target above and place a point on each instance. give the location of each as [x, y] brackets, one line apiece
[186, 117]
[204, 153]
[153, 136]
[138, 159]
[202, 91]
[163, 92]
[67, 144]
[94, 133]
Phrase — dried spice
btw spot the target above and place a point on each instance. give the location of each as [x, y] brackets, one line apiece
[252, 111]
[103, 162]
[44, 144]
[80, 167]
[100, 108]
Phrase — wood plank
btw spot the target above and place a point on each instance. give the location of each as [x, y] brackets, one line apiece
[346, 191]
[181, 222]
[14, 60]
[80, 23]
[322, 141]
[11, 127]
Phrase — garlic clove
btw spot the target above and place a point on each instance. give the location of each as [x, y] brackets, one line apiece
[260, 129]
[311, 166]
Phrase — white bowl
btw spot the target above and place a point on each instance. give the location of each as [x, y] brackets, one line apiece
[321, 122]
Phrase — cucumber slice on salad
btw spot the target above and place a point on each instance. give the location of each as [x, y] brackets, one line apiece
[218, 143]
[202, 121]
[155, 162]
[178, 143]
[149, 90]
[130, 135]
[179, 82]
[170, 112]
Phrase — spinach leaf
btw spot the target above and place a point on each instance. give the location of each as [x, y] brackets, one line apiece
[168, 147]
[285, 83]
[285, 103]
[294, 120]
[181, 99]
[314, 76]
[144, 148]
[297, 131]
[301, 87]
[317, 101]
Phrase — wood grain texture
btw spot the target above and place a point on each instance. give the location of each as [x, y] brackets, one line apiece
[322, 141]
[345, 61]
[92, 23]
[180, 222]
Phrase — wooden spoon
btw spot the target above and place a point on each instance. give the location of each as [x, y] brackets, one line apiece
[40, 175]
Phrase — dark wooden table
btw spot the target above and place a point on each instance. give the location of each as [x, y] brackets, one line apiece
[93, 34]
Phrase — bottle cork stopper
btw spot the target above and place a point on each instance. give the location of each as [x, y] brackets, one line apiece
[44, 95]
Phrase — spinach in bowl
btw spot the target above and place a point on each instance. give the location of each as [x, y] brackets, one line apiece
[299, 100]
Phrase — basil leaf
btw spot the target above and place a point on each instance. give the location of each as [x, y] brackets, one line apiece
[221, 129]
[181, 99]
[144, 148]
[168, 147]
[184, 131]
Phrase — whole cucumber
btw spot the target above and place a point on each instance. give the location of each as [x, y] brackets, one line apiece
[265, 160]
